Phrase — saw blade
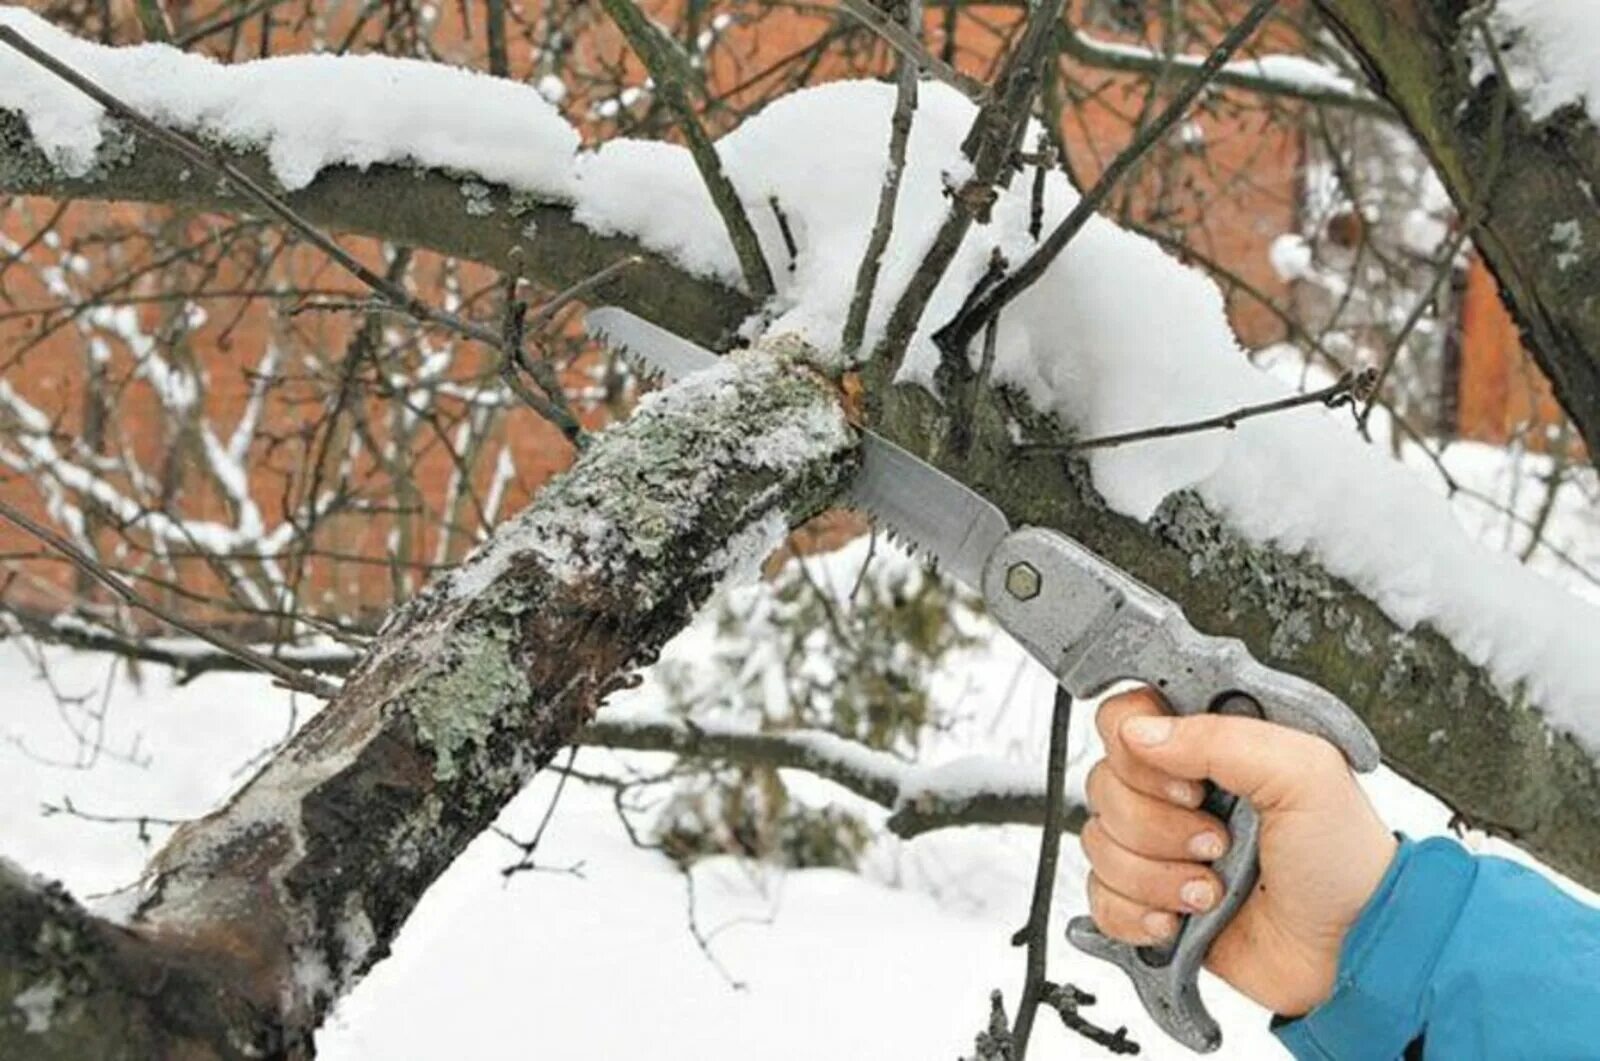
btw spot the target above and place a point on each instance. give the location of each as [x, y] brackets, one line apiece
[663, 355]
[936, 515]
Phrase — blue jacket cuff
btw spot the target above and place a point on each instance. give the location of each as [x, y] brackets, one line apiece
[1378, 1003]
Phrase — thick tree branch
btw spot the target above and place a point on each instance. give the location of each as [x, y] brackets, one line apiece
[294, 888]
[74, 987]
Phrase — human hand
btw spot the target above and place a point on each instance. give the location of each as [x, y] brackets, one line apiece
[1323, 848]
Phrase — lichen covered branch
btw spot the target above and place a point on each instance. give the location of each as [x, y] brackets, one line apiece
[291, 891]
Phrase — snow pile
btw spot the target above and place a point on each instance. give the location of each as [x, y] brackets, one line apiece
[1551, 49]
[1117, 336]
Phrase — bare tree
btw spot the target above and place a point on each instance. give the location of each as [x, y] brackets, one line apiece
[433, 344]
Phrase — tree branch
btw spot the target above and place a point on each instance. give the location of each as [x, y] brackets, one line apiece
[654, 50]
[918, 799]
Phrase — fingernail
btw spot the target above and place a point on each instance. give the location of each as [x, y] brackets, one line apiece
[1198, 895]
[1159, 925]
[1183, 793]
[1152, 729]
[1206, 845]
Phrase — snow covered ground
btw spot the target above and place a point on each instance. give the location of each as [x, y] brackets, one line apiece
[895, 962]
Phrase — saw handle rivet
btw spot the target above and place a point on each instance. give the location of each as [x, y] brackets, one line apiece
[1022, 580]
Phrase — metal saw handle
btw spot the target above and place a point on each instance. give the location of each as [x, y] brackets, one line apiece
[1093, 625]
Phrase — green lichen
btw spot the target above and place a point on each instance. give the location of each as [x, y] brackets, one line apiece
[457, 705]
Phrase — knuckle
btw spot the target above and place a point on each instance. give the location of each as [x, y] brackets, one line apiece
[1323, 758]
[1094, 785]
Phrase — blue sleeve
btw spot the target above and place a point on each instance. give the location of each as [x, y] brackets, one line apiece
[1478, 957]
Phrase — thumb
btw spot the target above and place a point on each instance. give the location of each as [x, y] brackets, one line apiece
[1264, 762]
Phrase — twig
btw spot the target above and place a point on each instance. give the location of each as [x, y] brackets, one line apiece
[157, 24]
[991, 146]
[654, 50]
[1043, 164]
[1239, 75]
[960, 331]
[289, 676]
[789, 244]
[141, 821]
[1036, 934]
[529, 847]
[906, 41]
[226, 22]
[1350, 386]
[499, 63]
[1065, 1000]
[905, 107]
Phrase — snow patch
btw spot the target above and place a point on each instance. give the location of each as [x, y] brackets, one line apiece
[1548, 49]
[37, 1004]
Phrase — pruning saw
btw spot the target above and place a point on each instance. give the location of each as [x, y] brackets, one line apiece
[1091, 624]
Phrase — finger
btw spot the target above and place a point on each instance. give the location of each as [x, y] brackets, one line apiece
[1157, 883]
[1269, 764]
[1138, 774]
[1149, 826]
[1124, 919]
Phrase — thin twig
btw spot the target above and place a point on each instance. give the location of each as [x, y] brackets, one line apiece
[1239, 75]
[289, 676]
[905, 107]
[789, 245]
[142, 822]
[907, 42]
[1350, 386]
[155, 20]
[991, 146]
[530, 847]
[1036, 934]
[499, 63]
[226, 22]
[655, 51]
[955, 336]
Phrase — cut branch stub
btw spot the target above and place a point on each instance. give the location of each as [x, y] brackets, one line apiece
[302, 881]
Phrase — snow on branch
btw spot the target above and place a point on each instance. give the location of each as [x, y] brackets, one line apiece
[1294, 76]
[976, 790]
